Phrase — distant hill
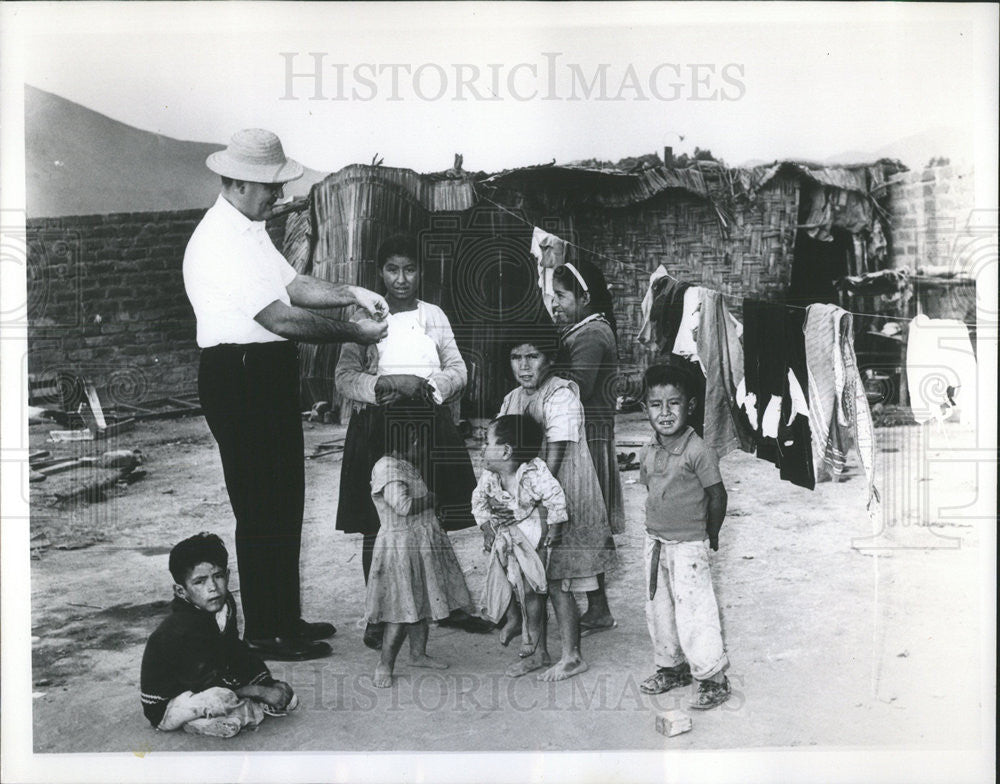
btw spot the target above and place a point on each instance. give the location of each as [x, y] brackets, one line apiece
[914, 151]
[80, 162]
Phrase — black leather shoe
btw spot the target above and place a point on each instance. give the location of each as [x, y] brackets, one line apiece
[289, 649]
[314, 631]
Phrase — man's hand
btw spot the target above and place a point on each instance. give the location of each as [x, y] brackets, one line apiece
[374, 303]
[369, 331]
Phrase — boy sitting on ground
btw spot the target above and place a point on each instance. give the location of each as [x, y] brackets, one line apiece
[685, 508]
[196, 671]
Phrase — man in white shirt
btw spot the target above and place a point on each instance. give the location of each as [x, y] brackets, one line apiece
[250, 305]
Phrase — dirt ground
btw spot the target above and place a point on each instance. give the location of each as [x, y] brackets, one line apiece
[831, 645]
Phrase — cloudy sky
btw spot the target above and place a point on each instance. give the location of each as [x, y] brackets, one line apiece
[520, 83]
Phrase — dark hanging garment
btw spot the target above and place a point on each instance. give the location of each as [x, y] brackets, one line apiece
[666, 313]
[771, 371]
[794, 435]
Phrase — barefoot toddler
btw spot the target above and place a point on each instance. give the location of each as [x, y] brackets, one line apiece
[516, 504]
[415, 576]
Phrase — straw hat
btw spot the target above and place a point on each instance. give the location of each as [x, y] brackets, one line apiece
[254, 155]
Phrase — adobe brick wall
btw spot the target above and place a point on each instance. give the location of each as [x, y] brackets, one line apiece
[929, 210]
[106, 301]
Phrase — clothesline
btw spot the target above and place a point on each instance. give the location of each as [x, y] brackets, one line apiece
[645, 271]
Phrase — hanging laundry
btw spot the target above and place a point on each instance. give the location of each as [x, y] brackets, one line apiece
[686, 342]
[940, 370]
[722, 362]
[774, 396]
[666, 313]
[838, 406]
[794, 436]
[549, 252]
[765, 370]
[826, 329]
[646, 330]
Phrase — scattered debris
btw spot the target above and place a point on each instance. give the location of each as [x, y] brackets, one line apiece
[319, 412]
[125, 459]
[902, 654]
[627, 462]
[672, 722]
[59, 436]
[327, 448]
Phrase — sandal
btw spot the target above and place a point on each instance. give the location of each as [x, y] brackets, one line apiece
[711, 694]
[665, 679]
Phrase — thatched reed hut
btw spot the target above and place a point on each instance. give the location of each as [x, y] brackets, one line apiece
[786, 231]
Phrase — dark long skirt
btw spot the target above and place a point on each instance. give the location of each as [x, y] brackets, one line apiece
[445, 464]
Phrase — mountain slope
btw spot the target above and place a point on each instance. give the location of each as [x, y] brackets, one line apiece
[80, 162]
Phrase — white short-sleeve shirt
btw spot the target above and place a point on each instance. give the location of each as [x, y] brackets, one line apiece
[232, 271]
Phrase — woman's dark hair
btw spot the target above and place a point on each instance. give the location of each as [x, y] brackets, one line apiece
[597, 288]
[398, 245]
[522, 433]
[197, 549]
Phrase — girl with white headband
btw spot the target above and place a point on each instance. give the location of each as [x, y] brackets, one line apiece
[583, 309]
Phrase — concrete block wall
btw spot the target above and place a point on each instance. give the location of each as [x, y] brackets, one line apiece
[930, 210]
[106, 302]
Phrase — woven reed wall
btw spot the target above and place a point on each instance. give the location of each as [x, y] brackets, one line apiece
[352, 212]
[684, 234]
[355, 209]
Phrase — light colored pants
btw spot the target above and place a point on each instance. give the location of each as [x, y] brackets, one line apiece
[683, 615]
[216, 711]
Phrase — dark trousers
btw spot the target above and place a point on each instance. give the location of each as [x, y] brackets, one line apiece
[250, 396]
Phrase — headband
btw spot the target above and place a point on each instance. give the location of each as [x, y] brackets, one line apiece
[578, 276]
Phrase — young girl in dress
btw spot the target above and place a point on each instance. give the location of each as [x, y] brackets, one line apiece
[520, 508]
[415, 576]
[588, 354]
[585, 548]
[417, 372]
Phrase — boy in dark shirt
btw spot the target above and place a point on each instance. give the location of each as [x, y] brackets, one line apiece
[685, 508]
[196, 671]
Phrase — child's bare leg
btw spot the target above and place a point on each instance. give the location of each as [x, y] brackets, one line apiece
[392, 641]
[418, 648]
[598, 615]
[511, 626]
[534, 615]
[537, 655]
[568, 617]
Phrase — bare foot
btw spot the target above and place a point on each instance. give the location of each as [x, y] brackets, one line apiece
[426, 661]
[509, 631]
[524, 666]
[527, 649]
[562, 670]
[382, 676]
